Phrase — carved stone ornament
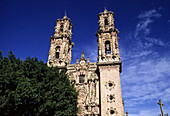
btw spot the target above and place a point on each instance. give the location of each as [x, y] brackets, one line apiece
[93, 76]
[111, 111]
[82, 94]
[110, 85]
[82, 56]
[111, 98]
[52, 41]
[58, 43]
[116, 44]
[82, 100]
[82, 62]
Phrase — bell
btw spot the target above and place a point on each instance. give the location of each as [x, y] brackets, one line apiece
[107, 47]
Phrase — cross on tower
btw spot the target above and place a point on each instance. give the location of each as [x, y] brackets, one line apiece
[160, 103]
[65, 13]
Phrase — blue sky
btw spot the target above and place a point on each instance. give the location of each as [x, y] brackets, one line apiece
[144, 25]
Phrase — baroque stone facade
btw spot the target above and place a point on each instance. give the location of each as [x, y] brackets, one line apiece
[98, 83]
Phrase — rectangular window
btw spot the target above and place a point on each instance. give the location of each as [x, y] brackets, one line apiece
[81, 78]
[61, 28]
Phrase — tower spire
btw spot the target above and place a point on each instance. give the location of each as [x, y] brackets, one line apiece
[61, 44]
[65, 13]
[107, 38]
[105, 7]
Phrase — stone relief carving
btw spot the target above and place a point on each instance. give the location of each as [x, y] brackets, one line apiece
[111, 98]
[82, 94]
[87, 101]
[58, 43]
[110, 85]
[116, 44]
[93, 76]
[111, 111]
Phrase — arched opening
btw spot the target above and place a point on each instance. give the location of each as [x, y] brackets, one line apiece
[106, 22]
[69, 28]
[57, 52]
[107, 47]
[61, 28]
[112, 112]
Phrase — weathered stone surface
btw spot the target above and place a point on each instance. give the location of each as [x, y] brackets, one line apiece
[98, 83]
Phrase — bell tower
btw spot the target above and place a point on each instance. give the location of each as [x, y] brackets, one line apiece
[61, 44]
[107, 38]
[109, 66]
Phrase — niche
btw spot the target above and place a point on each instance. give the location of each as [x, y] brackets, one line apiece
[57, 52]
[81, 78]
[107, 47]
[106, 22]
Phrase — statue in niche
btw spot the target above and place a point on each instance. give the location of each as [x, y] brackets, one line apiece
[82, 94]
[82, 56]
[93, 91]
[82, 99]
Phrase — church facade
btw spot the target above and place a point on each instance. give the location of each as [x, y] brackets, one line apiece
[98, 83]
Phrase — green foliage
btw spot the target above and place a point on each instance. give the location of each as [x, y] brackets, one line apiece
[31, 88]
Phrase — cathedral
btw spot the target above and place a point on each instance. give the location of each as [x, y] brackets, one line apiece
[98, 82]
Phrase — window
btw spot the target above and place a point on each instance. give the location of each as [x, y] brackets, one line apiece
[57, 51]
[106, 22]
[61, 28]
[81, 78]
[107, 47]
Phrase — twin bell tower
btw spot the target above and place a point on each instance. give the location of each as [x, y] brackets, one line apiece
[98, 83]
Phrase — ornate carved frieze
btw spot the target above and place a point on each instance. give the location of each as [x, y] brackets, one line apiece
[88, 86]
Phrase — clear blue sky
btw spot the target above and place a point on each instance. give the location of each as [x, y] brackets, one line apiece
[144, 25]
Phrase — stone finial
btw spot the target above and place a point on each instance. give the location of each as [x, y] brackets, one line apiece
[88, 60]
[65, 17]
[77, 61]
[126, 113]
[105, 10]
